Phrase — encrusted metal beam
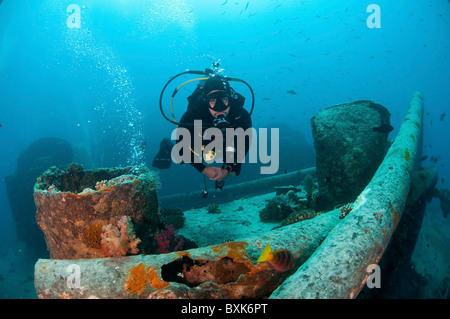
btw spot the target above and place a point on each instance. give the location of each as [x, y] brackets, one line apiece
[231, 192]
[338, 268]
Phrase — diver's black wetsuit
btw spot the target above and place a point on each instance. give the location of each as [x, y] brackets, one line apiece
[238, 117]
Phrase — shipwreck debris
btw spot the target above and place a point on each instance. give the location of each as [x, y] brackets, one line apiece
[331, 254]
[348, 150]
[77, 209]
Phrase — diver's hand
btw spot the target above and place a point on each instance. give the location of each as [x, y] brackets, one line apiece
[211, 171]
[222, 174]
[215, 173]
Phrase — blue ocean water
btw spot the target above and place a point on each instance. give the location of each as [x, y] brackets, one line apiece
[97, 85]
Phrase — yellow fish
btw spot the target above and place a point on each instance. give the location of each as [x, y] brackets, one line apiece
[281, 260]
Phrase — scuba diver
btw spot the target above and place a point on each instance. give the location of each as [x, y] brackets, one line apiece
[216, 105]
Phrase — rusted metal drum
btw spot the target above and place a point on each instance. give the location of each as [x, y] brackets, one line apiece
[77, 208]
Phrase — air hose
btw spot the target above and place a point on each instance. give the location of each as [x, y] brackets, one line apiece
[205, 76]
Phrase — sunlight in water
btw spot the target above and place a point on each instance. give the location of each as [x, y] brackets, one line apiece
[89, 48]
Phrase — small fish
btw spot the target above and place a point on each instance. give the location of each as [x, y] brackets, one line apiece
[266, 98]
[442, 116]
[1, 125]
[385, 128]
[291, 92]
[143, 145]
[423, 158]
[247, 5]
[280, 260]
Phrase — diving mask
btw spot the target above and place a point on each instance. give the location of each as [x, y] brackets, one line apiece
[218, 101]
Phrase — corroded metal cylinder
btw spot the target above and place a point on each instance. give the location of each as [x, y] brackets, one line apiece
[350, 141]
[75, 207]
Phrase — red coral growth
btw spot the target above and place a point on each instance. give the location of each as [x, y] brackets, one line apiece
[168, 240]
[118, 241]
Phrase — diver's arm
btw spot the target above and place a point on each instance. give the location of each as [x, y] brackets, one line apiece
[198, 166]
[187, 122]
